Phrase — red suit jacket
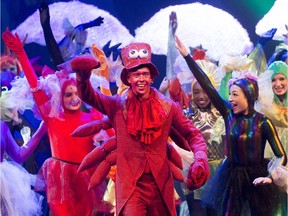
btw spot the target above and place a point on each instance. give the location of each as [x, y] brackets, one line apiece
[132, 155]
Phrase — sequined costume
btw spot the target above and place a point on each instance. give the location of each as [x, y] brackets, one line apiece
[205, 119]
[231, 191]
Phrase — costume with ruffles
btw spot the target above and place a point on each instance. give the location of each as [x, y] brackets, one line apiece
[58, 175]
[142, 130]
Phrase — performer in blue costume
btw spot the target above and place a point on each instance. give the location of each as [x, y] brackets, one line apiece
[239, 186]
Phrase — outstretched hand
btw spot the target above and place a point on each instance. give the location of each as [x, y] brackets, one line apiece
[181, 48]
[98, 21]
[173, 21]
[267, 36]
[13, 42]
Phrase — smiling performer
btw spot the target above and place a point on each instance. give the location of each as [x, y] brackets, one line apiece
[67, 190]
[238, 187]
[142, 119]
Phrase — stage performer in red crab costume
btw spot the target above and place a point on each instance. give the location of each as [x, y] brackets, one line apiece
[142, 119]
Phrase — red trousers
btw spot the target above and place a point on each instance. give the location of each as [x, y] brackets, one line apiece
[146, 199]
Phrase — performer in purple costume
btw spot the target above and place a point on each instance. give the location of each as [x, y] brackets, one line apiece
[16, 196]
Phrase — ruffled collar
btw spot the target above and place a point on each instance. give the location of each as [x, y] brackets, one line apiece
[145, 118]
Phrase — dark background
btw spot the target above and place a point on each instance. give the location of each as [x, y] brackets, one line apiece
[133, 13]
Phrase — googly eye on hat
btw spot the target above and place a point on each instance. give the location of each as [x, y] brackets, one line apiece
[137, 55]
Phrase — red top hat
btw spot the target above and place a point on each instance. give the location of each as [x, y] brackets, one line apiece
[134, 56]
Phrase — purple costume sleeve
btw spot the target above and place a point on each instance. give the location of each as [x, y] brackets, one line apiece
[15, 152]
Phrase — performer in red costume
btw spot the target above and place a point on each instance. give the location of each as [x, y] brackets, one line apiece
[142, 119]
[67, 190]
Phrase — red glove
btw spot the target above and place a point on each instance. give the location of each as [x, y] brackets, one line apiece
[199, 171]
[83, 65]
[14, 43]
[199, 54]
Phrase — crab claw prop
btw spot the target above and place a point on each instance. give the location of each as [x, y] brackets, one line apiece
[176, 172]
[102, 170]
[98, 154]
[175, 162]
[87, 129]
[92, 127]
[174, 156]
[179, 139]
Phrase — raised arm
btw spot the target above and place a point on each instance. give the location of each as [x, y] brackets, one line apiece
[97, 22]
[224, 90]
[83, 65]
[220, 104]
[258, 54]
[50, 41]
[20, 154]
[171, 51]
[14, 43]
